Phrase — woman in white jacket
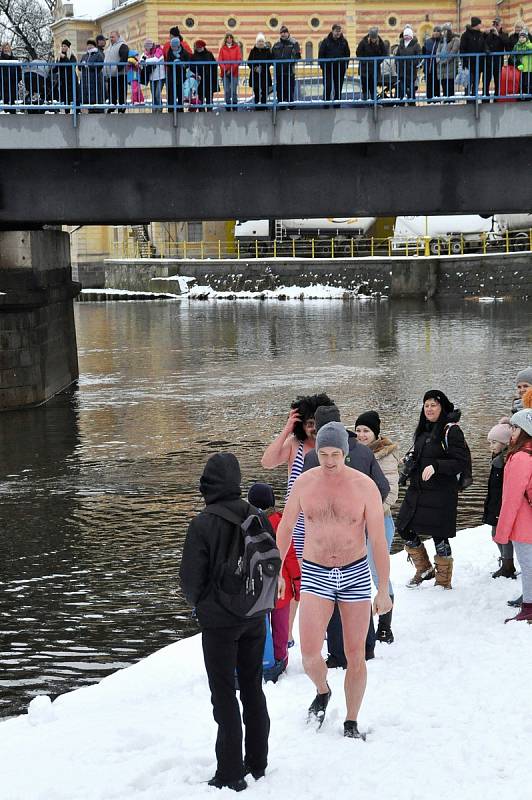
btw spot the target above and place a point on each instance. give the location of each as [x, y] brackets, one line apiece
[368, 431]
[152, 65]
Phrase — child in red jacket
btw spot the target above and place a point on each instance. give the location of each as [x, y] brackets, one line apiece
[261, 495]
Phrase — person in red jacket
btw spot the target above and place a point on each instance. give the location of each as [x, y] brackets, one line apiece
[167, 46]
[230, 52]
[515, 519]
[261, 495]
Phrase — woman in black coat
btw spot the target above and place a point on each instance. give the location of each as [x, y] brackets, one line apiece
[175, 76]
[91, 72]
[206, 72]
[10, 77]
[440, 455]
[260, 77]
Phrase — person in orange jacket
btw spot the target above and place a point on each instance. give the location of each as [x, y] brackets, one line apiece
[261, 495]
[230, 52]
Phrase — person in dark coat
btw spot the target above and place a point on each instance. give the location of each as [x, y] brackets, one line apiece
[407, 63]
[230, 644]
[430, 503]
[512, 40]
[473, 40]
[207, 73]
[92, 79]
[499, 441]
[10, 77]
[65, 83]
[430, 66]
[285, 50]
[175, 74]
[362, 459]
[334, 46]
[260, 77]
[371, 46]
[496, 42]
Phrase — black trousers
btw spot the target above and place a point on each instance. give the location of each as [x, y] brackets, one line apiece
[442, 545]
[118, 91]
[367, 81]
[333, 80]
[226, 650]
[433, 84]
[335, 636]
[286, 83]
[491, 70]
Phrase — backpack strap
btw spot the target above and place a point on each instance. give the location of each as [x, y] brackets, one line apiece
[446, 434]
[225, 513]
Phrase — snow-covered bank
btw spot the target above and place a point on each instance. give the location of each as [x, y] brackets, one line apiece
[448, 710]
[318, 291]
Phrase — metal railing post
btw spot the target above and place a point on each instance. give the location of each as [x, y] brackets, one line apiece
[314, 252]
[256, 249]
[238, 249]
[352, 248]
[332, 247]
[219, 249]
[372, 247]
[507, 240]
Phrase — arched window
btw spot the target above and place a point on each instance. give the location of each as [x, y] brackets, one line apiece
[309, 50]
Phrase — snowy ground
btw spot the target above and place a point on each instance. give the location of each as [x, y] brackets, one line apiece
[448, 712]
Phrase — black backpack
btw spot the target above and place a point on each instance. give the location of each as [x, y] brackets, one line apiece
[245, 583]
[465, 478]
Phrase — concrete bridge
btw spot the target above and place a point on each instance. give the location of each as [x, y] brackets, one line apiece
[138, 167]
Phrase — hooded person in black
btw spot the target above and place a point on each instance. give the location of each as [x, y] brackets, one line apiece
[430, 504]
[230, 644]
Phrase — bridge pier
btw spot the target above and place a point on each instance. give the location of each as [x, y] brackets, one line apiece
[38, 352]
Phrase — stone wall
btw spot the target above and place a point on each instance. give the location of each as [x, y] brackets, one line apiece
[493, 275]
[38, 353]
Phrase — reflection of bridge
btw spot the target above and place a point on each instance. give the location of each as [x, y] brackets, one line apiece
[137, 168]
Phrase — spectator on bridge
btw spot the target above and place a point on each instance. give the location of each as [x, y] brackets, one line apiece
[525, 64]
[229, 58]
[370, 47]
[175, 68]
[91, 73]
[513, 38]
[116, 66]
[496, 42]
[334, 46]
[389, 73]
[207, 73]
[260, 76]
[10, 77]
[473, 41]
[167, 45]
[448, 60]
[152, 72]
[133, 77]
[286, 50]
[430, 65]
[407, 63]
[64, 78]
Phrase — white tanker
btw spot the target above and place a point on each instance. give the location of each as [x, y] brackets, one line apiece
[337, 227]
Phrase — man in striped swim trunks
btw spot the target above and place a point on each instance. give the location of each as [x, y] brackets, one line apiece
[339, 504]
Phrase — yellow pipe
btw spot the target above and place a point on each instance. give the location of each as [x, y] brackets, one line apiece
[352, 247]
[238, 249]
[507, 241]
[293, 248]
[219, 249]
[332, 247]
[256, 249]
[372, 246]
[314, 250]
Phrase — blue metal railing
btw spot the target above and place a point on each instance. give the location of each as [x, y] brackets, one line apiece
[103, 87]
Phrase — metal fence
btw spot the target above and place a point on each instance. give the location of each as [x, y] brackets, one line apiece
[101, 87]
[334, 247]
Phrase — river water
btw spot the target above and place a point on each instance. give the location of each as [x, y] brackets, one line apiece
[97, 486]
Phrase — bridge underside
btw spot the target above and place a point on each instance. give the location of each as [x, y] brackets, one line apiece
[129, 186]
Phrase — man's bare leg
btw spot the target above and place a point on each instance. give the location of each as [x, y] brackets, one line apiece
[355, 621]
[314, 615]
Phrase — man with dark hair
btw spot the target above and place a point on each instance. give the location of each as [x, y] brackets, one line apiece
[473, 41]
[370, 47]
[286, 50]
[231, 644]
[496, 42]
[335, 51]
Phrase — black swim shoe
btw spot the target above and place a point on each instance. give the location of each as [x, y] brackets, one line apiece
[351, 730]
[318, 707]
[236, 786]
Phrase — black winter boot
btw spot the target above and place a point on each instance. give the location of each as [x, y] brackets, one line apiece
[384, 628]
[506, 569]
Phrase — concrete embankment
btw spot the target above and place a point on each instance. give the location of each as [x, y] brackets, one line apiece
[495, 275]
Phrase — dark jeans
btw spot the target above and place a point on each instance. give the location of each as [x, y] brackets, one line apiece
[118, 91]
[447, 86]
[225, 650]
[333, 80]
[433, 85]
[368, 85]
[526, 84]
[492, 70]
[335, 636]
[443, 548]
[286, 84]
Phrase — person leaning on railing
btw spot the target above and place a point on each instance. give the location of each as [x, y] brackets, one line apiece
[206, 72]
[407, 63]
[152, 72]
[496, 42]
[448, 60]
[334, 46]
[10, 77]
[260, 77]
[229, 58]
[473, 41]
[116, 67]
[286, 49]
[92, 81]
[525, 63]
[176, 58]
[64, 78]
[370, 47]
[430, 65]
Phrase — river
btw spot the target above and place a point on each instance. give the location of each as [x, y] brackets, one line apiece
[97, 486]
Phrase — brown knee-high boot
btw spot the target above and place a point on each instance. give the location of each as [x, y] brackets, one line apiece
[421, 561]
[444, 571]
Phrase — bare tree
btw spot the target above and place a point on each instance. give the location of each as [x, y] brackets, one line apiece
[25, 24]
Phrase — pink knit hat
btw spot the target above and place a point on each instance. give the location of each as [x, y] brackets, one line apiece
[501, 432]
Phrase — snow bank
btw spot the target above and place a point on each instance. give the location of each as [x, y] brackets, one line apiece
[316, 291]
[447, 710]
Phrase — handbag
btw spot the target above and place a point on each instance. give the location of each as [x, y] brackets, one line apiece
[462, 77]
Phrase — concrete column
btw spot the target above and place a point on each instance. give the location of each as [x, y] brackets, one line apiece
[38, 352]
[416, 278]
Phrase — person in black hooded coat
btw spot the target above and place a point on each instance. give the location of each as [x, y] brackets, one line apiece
[230, 644]
[430, 504]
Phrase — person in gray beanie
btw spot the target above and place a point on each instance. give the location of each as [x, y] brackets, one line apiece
[522, 382]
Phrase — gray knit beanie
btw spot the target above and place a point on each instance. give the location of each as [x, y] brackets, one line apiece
[333, 434]
[325, 414]
[523, 420]
[525, 376]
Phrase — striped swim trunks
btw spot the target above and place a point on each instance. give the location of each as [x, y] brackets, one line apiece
[349, 584]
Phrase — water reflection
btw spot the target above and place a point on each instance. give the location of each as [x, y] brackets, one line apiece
[97, 486]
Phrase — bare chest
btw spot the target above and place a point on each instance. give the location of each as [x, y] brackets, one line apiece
[332, 507]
